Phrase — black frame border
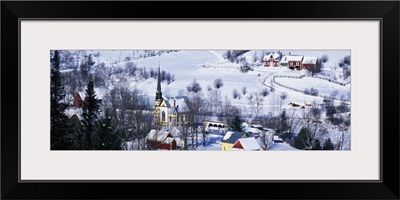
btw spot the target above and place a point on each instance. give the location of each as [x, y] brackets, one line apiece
[386, 11]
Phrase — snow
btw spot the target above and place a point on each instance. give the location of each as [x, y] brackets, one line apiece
[282, 147]
[324, 87]
[228, 135]
[157, 136]
[274, 56]
[309, 60]
[252, 130]
[292, 58]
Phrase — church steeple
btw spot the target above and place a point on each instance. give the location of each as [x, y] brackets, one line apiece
[159, 93]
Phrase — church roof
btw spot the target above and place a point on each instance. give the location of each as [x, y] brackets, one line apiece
[182, 104]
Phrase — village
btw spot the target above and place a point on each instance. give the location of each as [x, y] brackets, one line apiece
[182, 123]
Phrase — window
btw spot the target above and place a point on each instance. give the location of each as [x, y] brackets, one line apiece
[163, 116]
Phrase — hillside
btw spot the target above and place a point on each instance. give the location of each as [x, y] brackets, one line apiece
[116, 68]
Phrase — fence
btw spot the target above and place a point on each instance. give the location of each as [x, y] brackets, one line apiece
[302, 76]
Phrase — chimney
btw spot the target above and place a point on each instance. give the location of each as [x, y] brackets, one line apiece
[174, 103]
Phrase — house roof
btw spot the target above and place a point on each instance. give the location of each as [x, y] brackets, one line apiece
[274, 55]
[82, 95]
[231, 137]
[182, 104]
[97, 91]
[287, 58]
[73, 111]
[248, 144]
[159, 136]
[310, 60]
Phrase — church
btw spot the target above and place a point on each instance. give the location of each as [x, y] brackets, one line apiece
[171, 111]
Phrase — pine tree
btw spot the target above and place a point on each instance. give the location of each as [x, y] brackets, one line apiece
[236, 124]
[59, 123]
[317, 145]
[328, 145]
[107, 138]
[301, 139]
[90, 110]
[283, 126]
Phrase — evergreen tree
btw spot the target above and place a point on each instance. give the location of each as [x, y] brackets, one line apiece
[59, 122]
[107, 138]
[328, 145]
[301, 141]
[317, 145]
[90, 110]
[283, 126]
[236, 124]
[77, 134]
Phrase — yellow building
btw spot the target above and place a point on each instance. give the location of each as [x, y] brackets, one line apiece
[171, 111]
[230, 138]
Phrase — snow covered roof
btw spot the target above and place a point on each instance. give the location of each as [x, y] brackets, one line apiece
[82, 95]
[248, 144]
[287, 58]
[310, 60]
[274, 55]
[73, 111]
[231, 137]
[182, 103]
[98, 92]
[252, 130]
[159, 136]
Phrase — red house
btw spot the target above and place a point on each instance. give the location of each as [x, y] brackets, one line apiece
[162, 140]
[309, 62]
[79, 99]
[271, 60]
[294, 62]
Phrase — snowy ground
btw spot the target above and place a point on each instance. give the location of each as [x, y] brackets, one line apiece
[282, 147]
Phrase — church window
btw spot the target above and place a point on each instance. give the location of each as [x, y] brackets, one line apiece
[163, 116]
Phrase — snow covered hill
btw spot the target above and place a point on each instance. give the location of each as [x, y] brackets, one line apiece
[206, 66]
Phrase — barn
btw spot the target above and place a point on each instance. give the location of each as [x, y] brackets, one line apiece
[309, 62]
[161, 140]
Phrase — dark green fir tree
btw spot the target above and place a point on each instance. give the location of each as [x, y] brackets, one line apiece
[60, 126]
[236, 124]
[328, 145]
[107, 137]
[90, 112]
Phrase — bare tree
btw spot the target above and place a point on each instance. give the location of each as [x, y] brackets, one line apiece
[197, 103]
[218, 83]
[194, 87]
[235, 94]
[267, 139]
[244, 90]
[256, 102]
[184, 134]
[282, 97]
